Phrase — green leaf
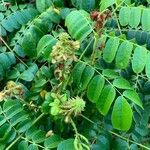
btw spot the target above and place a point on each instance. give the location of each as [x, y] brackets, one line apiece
[33, 68]
[148, 1]
[2, 31]
[77, 73]
[1, 110]
[4, 61]
[30, 132]
[54, 16]
[23, 145]
[11, 57]
[66, 145]
[147, 68]
[58, 3]
[102, 141]
[79, 24]
[135, 17]
[120, 144]
[36, 32]
[2, 120]
[33, 147]
[122, 83]
[122, 114]
[95, 87]
[87, 75]
[29, 45]
[105, 100]
[18, 18]
[40, 83]
[110, 50]
[139, 59]
[133, 96]
[42, 5]
[10, 23]
[106, 3]
[52, 142]
[124, 16]
[45, 46]
[24, 125]
[145, 21]
[87, 5]
[2, 146]
[27, 76]
[123, 55]
[39, 137]
[110, 73]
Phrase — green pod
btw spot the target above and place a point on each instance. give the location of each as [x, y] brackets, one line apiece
[123, 55]
[77, 73]
[95, 87]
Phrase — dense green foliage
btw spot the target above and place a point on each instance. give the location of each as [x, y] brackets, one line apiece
[74, 74]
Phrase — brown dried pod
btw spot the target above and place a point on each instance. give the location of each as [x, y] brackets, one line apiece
[94, 15]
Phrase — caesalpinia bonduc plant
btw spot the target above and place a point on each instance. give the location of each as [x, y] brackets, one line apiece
[80, 67]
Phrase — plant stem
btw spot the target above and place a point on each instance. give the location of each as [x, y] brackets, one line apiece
[117, 21]
[87, 119]
[117, 6]
[13, 142]
[37, 119]
[141, 145]
[74, 127]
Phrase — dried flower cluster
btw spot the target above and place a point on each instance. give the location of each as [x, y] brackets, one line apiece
[65, 49]
[63, 54]
[12, 89]
[100, 19]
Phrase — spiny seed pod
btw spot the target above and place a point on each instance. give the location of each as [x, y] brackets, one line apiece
[73, 106]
